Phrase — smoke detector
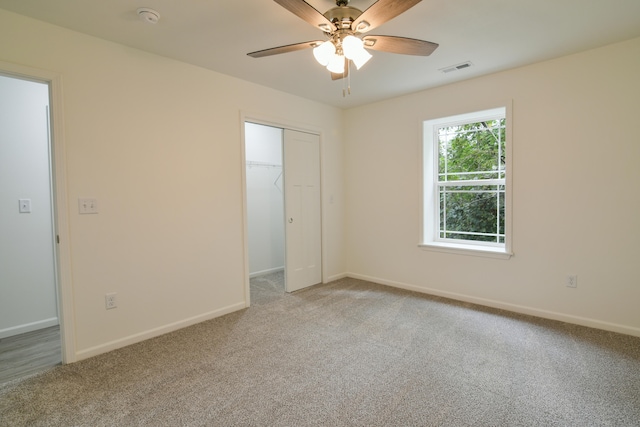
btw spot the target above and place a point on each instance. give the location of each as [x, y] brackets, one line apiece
[148, 15]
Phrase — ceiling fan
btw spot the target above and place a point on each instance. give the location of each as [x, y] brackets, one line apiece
[343, 25]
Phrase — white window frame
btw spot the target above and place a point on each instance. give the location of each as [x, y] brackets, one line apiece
[430, 218]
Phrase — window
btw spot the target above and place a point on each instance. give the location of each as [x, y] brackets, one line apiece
[466, 191]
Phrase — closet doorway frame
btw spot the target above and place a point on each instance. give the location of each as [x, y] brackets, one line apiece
[260, 119]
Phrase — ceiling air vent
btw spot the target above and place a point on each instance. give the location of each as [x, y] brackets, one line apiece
[456, 67]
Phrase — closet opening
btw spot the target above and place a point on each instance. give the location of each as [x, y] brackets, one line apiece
[283, 210]
[265, 209]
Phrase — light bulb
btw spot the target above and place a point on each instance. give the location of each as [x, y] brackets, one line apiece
[351, 45]
[324, 52]
[336, 64]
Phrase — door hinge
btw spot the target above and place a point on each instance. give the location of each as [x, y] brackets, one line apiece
[57, 239]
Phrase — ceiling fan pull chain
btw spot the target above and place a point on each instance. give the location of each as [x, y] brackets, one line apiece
[344, 83]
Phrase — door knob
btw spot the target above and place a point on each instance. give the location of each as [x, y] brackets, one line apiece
[290, 220]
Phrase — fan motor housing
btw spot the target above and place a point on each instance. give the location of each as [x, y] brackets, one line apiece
[343, 16]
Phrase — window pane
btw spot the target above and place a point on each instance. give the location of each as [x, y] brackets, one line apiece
[472, 212]
[471, 151]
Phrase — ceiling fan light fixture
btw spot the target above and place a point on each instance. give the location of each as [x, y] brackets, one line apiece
[353, 48]
[343, 26]
[324, 52]
[336, 64]
[361, 58]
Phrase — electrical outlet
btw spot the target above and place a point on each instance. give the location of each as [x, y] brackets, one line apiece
[571, 281]
[110, 301]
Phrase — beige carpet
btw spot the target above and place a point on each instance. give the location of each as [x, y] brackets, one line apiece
[349, 353]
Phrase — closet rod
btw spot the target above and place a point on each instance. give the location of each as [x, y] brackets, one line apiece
[263, 164]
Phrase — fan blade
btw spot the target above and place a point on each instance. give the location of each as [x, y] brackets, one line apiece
[308, 13]
[284, 49]
[338, 76]
[381, 12]
[402, 45]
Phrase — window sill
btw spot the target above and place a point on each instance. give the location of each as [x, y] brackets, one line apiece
[462, 249]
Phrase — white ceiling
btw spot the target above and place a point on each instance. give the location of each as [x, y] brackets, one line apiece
[217, 34]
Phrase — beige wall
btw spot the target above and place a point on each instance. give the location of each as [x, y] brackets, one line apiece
[576, 202]
[158, 143]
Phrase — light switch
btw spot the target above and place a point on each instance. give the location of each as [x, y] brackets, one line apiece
[25, 205]
[87, 206]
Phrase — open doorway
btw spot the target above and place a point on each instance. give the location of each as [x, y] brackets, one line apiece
[265, 211]
[30, 338]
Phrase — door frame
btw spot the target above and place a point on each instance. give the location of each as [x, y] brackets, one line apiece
[61, 249]
[282, 124]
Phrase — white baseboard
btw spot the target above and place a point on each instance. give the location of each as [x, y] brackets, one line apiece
[545, 314]
[28, 327]
[132, 339]
[267, 271]
[335, 277]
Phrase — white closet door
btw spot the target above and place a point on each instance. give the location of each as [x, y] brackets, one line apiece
[302, 210]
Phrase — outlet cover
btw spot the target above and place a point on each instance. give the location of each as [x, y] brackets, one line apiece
[25, 205]
[110, 301]
[87, 206]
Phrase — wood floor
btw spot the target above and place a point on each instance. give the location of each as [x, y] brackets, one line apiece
[26, 354]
